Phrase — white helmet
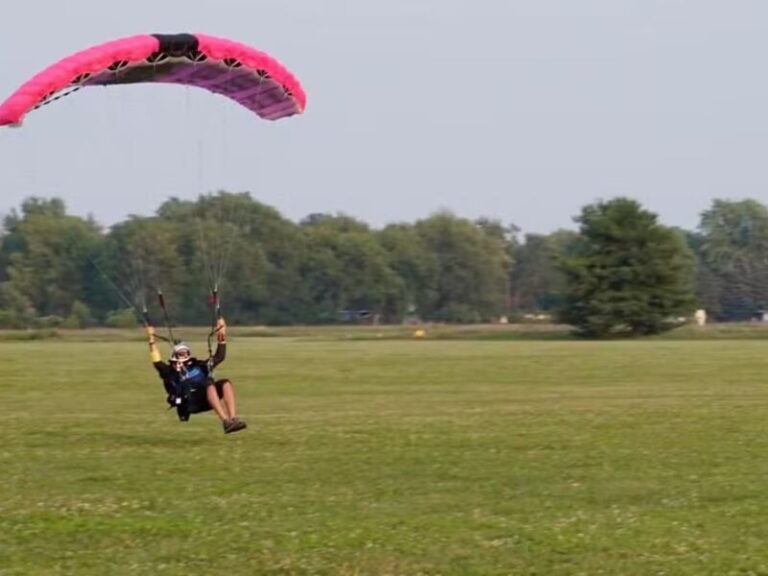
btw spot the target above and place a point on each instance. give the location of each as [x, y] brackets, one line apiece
[180, 352]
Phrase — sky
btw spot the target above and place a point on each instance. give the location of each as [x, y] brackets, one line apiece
[517, 110]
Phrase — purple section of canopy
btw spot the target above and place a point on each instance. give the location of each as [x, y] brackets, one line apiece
[263, 95]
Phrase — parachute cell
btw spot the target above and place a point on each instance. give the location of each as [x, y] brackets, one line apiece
[248, 76]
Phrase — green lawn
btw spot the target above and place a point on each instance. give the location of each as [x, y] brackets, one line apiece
[390, 457]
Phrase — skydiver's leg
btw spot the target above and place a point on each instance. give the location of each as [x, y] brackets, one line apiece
[227, 391]
[212, 395]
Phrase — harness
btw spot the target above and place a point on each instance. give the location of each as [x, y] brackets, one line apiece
[184, 383]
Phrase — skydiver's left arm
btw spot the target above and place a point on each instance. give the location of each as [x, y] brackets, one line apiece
[221, 346]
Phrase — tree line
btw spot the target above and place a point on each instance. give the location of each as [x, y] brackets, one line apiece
[621, 270]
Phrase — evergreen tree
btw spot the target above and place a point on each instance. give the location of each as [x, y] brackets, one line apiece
[627, 273]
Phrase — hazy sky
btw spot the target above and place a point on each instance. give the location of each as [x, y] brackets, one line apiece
[518, 110]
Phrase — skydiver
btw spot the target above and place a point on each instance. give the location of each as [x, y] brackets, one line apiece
[190, 385]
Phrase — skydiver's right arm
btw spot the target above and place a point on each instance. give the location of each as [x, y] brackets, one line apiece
[163, 368]
[154, 354]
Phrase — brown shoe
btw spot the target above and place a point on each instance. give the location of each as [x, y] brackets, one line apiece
[234, 425]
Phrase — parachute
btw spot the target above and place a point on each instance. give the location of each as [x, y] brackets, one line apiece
[251, 78]
[248, 76]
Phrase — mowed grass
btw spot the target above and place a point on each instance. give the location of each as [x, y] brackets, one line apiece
[390, 457]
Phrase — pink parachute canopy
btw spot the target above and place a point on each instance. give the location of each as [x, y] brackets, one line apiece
[250, 77]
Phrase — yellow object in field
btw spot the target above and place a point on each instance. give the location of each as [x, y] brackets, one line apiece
[420, 333]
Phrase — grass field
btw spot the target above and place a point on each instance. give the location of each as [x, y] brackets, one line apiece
[393, 457]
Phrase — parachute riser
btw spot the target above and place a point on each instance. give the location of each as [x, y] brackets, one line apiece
[161, 299]
[147, 321]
